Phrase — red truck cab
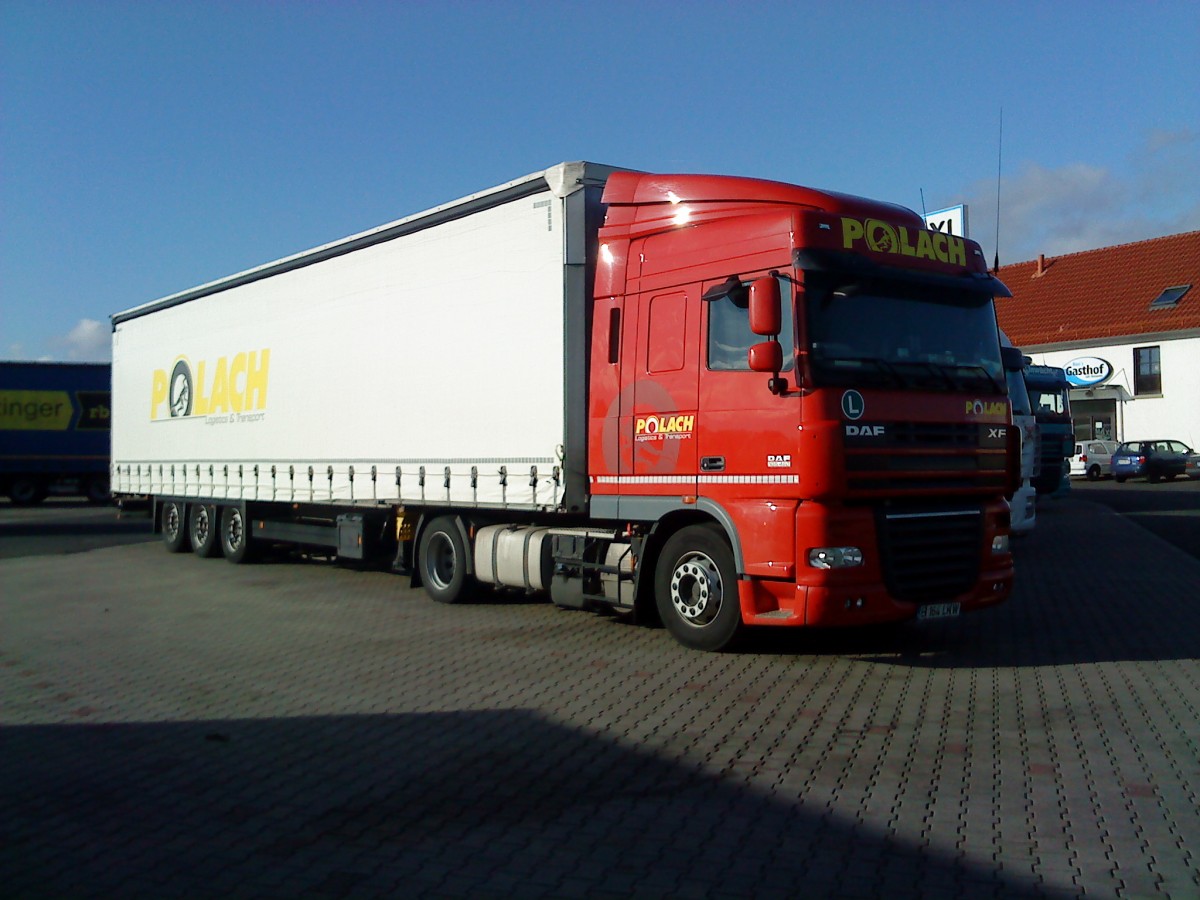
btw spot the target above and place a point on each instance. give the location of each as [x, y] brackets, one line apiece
[802, 388]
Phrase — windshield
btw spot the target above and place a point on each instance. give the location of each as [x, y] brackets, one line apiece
[893, 334]
[1017, 394]
[1050, 403]
[1014, 372]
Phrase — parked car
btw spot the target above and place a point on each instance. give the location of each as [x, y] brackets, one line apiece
[1093, 459]
[1152, 459]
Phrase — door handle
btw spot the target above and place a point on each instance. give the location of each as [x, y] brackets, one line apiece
[712, 464]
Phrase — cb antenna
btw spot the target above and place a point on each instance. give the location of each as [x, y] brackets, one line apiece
[924, 214]
[999, 160]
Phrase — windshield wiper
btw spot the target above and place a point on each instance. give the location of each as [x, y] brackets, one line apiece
[938, 371]
[982, 370]
[884, 366]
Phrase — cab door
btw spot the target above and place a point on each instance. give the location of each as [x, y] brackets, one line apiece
[659, 371]
[747, 430]
[748, 439]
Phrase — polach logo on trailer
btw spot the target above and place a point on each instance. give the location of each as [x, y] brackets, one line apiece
[1088, 370]
[231, 389]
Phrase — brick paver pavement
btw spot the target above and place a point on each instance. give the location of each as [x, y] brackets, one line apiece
[179, 727]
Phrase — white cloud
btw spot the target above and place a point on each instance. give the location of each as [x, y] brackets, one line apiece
[88, 341]
[1082, 207]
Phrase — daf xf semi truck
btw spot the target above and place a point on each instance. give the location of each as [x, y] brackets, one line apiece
[714, 401]
[1050, 397]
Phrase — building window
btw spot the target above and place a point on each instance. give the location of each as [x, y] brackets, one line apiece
[1147, 371]
[1170, 297]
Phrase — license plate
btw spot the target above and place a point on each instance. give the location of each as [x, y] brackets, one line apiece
[938, 611]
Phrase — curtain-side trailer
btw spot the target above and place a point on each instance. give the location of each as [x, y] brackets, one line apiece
[710, 400]
[54, 428]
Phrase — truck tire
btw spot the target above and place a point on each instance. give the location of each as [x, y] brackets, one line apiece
[97, 490]
[237, 545]
[442, 557]
[695, 589]
[174, 526]
[203, 529]
[26, 490]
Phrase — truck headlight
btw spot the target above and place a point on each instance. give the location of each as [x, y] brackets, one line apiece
[834, 557]
[1000, 544]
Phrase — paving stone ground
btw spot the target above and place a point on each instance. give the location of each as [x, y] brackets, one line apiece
[179, 727]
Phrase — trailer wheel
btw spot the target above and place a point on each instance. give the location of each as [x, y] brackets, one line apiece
[203, 527]
[442, 557]
[97, 490]
[695, 588]
[26, 490]
[237, 545]
[174, 526]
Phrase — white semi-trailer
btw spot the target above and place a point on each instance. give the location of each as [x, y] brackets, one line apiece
[428, 361]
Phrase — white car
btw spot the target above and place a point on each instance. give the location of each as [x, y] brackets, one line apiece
[1093, 459]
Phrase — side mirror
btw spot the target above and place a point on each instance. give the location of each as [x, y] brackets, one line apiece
[765, 303]
[766, 357]
[1012, 461]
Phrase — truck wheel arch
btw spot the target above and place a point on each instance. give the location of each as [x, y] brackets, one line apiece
[705, 511]
[696, 588]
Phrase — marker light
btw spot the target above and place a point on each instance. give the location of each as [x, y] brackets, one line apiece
[835, 557]
[1000, 544]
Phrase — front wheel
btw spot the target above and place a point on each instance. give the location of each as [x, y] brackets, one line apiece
[695, 589]
[442, 557]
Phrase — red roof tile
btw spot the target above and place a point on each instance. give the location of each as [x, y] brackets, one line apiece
[1103, 293]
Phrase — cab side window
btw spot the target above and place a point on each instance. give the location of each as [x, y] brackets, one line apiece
[730, 337]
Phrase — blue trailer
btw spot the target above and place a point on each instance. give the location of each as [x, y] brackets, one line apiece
[54, 430]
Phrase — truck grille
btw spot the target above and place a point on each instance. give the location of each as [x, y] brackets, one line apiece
[930, 555]
[912, 458]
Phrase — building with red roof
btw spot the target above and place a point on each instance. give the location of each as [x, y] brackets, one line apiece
[1124, 322]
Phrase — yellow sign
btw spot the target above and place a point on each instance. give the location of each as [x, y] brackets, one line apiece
[993, 408]
[231, 384]
[650, 428]
[884, 237]
[35, 411]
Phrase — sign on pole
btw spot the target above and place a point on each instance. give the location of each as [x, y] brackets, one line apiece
[952, 220]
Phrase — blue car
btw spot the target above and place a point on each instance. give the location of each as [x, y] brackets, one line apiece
[1153, 460]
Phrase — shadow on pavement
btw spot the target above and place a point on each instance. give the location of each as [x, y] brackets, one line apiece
[486, 803]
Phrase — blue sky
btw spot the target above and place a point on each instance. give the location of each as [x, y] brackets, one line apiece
[147, 147]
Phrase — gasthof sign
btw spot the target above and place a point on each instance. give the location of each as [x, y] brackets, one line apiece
[1088, 370]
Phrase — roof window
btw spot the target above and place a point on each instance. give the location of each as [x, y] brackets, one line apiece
[1170, 297]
